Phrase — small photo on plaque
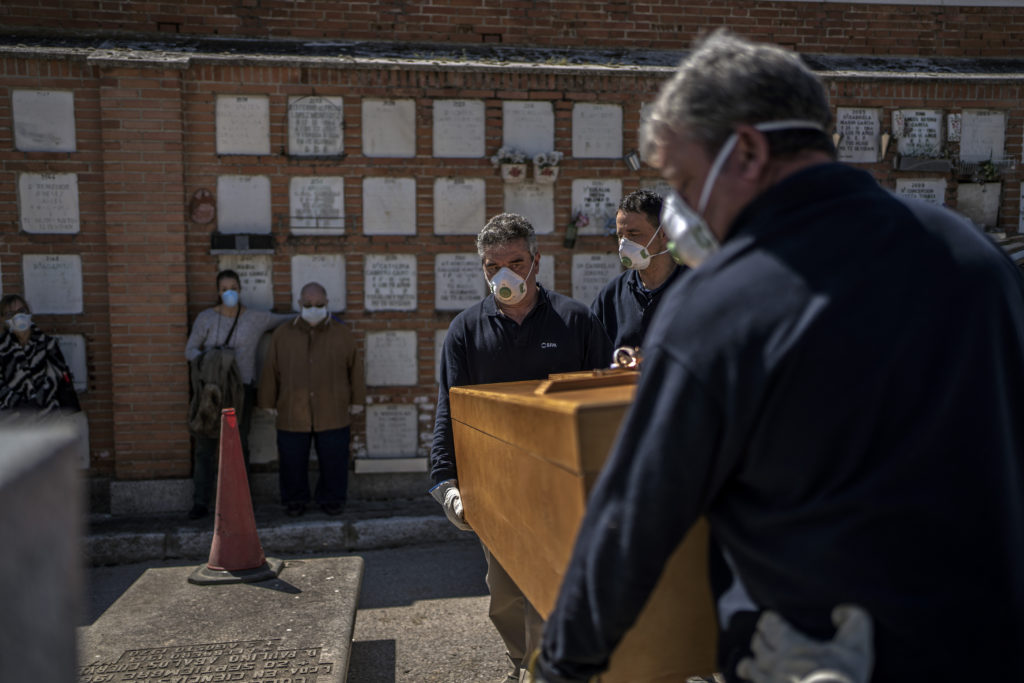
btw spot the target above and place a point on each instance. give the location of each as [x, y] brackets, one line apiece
[459, 129]
[243, 124]
[316, 126]
[44, 120]
[389, 128]
[48, 203]
[596, 131]
[599, 201]
[389, 206]
[317, 205]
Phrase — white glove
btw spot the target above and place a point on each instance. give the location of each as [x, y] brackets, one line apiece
[447, 494]
[783, 654]
[272, 412]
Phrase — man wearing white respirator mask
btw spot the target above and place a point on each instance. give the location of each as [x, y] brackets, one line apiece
[519, 331]
[626, 305]
[313, 379]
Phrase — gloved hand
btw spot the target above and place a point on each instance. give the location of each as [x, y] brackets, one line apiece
[783, 654]
[447, 494]
[270, 411]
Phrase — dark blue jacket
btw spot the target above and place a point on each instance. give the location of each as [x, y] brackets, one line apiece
[844, 401]
[484, 346]
[626, 309]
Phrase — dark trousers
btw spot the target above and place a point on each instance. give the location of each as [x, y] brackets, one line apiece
[207, 461]
[332, 455]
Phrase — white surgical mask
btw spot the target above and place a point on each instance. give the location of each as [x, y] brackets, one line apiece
[690, 237]
[314, 315]
[19, 322]
[507, 287]
[635, 256]
[229, 297]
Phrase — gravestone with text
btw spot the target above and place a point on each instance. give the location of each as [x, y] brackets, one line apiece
[459, 129]
[598, 200]
[591, 272]
[534, 202]
[389, 206]
[596, 131]
[860, 129]
[53, 282]
[44, 120]
[243, 204]
[460, 206]
[458, 281]
[243, 124]
[392, 430]
[389, 128]
[528, 126]
[317, 205]
[391, 358]
[316, 126]
[48, 203]
[254, 271]
[390, 282]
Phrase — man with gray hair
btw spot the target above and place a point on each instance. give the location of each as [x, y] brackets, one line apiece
[313, 379]
[519, 331]
[841, 399]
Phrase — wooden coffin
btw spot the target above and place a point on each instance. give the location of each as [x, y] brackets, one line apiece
[528, 454]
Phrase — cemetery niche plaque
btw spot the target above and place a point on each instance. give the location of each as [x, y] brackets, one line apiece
[392, 430]
[460, 206]
[591, 272]
[243, 124]
[316, 126]
[317, 205]
[599, 201]
[861, 132]
[528, 127]
[982, 135]
[546, 271]
[48, 203]
[255, 274]
[326, 269]
[390, 282]
[389, 128]
[918, 132]
[980, 202]
[931, 190]
[391, 358]
[597, 131]
[72, 347]
[44, 120]
[243, 204]
[389, 206]
[459, 129]
[53, 282]
[534, 202]
[458, 281]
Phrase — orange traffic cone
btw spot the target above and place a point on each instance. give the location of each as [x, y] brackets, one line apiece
[236, 555]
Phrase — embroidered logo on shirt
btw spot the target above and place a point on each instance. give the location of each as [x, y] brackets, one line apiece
[548, 345]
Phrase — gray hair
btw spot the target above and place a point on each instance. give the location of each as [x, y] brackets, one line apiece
[727, 81]
[503, 229]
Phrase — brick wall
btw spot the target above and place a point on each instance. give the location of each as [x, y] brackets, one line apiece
[146, 140]
[924, 29]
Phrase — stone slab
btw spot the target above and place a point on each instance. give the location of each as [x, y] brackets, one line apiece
[528, 127]
[390, 282]
[53, 282]
[980, 202]
[48, 203]
[257, 278]
[931, 190]
[297, 627]
[44, 120]
[391, 358]
[861, 130]
[597, 131]
[389, 206]
[982, 135]
[243, 124]
[534, 202]
[591, 272]
[458, 281]
[317, 205]
[459, 128]
[599, 200]
[460, 206]
[243, 204]
[389, 128]
[375, 465]
[918, 131]
[316, 126]
[392, 430]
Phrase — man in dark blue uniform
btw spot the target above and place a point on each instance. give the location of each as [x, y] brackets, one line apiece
[626, 305]
[520, 331]
[842, 400]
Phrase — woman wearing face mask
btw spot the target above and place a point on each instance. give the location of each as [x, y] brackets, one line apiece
[34, 378]
[228, 325]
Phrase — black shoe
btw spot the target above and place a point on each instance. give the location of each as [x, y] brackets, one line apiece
[332, 508]
[198, 512]
[295, 509]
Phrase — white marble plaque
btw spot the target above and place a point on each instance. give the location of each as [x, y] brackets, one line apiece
[44, 120]
[317, 205]
[980, 202]
[389, 206]
[316, 126]
[459, 129]
[528, 127]
[546, 271]
[599, 200]
[389, 128]
[391, 358]
[597, 131]
[328, 270]
[658, 187]
[918, 131]
[931, 190]
[391, 430]
[72, 347]
[458, 281]
[982, 135]
[53, 282]
[534, 202]
[591, 272]
[438, 348]
[254, 271]
[390, 282]
[861, 130]
[460, 206]
[243, 204]
[48, 203]
[243, 124]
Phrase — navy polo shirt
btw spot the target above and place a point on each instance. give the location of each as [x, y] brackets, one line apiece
[484, 345]
[625, 307]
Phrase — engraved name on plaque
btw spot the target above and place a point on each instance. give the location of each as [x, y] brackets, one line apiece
[982, 135]
[931, 190]
[391, 358]
[390, 282]
[48, 203]
[53, 282]
[254, 271]
[528, 126]
[389, 206]
[391, 430]
[317, 205]
[316, 126]
[389, 128]
[597, 131]
[243, 124]
[458, 281]
[44, 120]
[534, 202]
[591, 272]
[459, 129]
[460, 206]
[918, 131]
[861, 130]
[598, 200]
